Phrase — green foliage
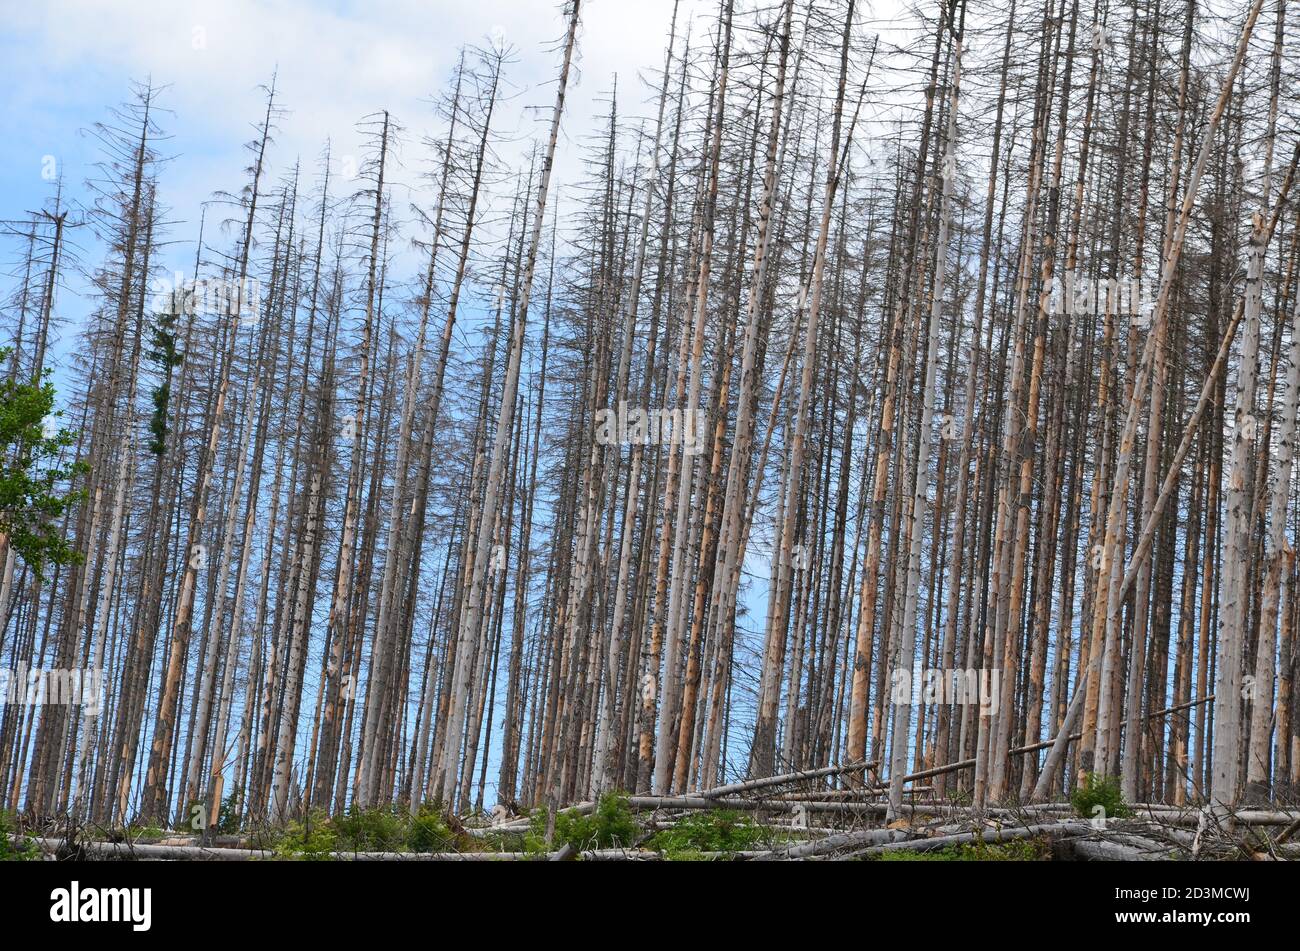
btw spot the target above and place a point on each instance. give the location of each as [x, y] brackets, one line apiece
[511, 842]
[158, 421]
[23, 851]
[33, 479]
[1015, 850]
[428, 832]
[228, 817]
[369, 830]
[312, 839]
[610, 826]
[148, 831]
[164, 355]
[718, 830]
[1101, 791]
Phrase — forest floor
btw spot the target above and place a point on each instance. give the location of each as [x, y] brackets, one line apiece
[787, 826]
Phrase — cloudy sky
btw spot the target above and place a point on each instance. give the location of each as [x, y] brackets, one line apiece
[67, 61]
[64, 62]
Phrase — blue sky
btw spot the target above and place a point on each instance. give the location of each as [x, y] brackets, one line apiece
[64, 63]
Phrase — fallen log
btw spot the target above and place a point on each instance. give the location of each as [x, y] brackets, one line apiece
[863, 792]
[833, 843]
[130, 850]
[995, 834]
[767, 782]
[1108, 851]
[764, 805]
[1249, 817]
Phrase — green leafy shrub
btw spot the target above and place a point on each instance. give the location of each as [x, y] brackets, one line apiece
[370, 830]
[144, 832]
[24, 850]
[512, 842]
[313, 838]
[1014, 850]
[718, 830]
[1101, 791]
[428, 832]
[609, 826]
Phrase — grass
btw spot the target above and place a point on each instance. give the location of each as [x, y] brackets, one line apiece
[1015, 850]
[717, 830]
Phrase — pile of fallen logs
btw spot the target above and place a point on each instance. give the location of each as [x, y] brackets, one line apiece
[807, 821]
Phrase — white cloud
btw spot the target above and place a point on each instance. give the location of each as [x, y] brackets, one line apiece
[336, 62]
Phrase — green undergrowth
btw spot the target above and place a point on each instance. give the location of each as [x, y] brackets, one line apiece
[717, 830]
[317, 836]
[609, 826]
[612, 825]
[712, 835]
[1015, 850]
[701, 836]
[1100, 797]
[22, 851]
[144, 832]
